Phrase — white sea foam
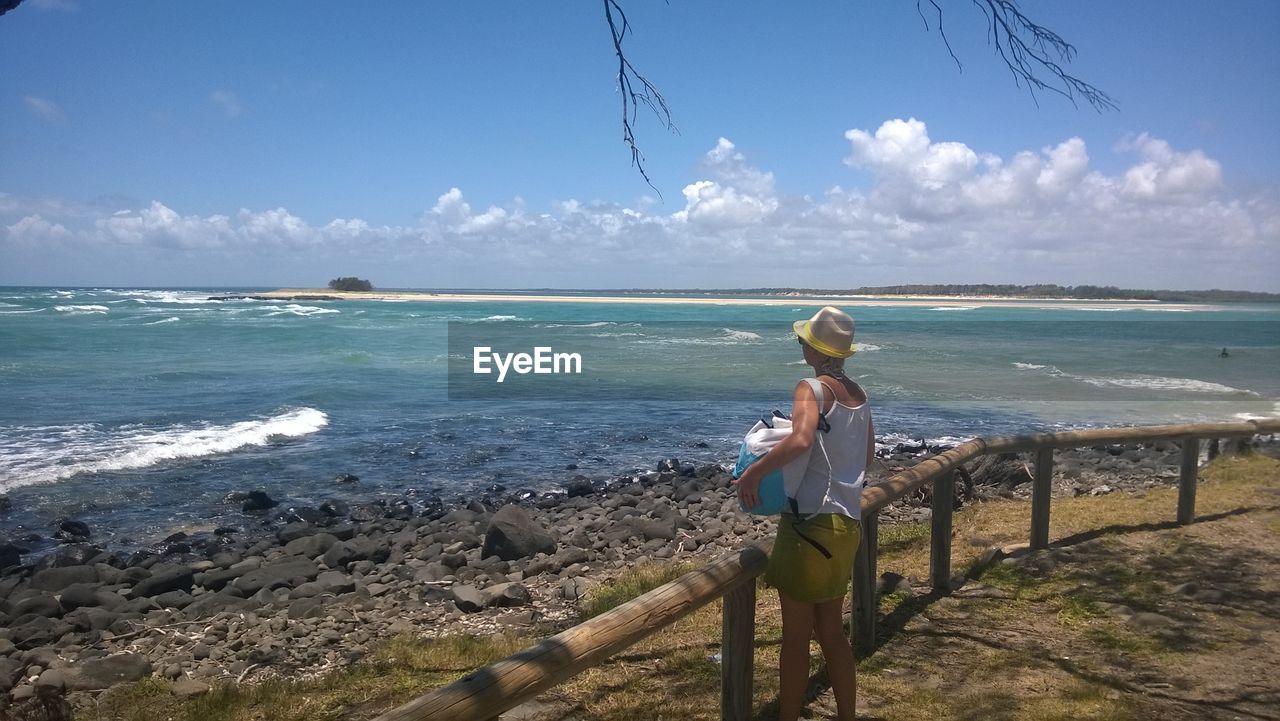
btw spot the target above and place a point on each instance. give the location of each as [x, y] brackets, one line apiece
[9, 305]
[81, 309]
[732, 334]
[1163, 383]
[867, 347]
[956, 307]
[1029, 366]
[44, 454]
[20, 312]
[302, 310]
[170, 319]
[495, 318]
[166, 296]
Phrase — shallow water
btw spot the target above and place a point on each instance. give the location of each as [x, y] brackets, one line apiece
[138, 410]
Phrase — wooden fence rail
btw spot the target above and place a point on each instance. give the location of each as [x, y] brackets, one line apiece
[487, 692]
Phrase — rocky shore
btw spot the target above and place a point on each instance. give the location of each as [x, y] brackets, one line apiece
[312, 589]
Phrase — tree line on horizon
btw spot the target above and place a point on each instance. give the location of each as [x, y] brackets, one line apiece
[1010, 290]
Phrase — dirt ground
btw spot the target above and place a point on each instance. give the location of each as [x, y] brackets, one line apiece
[1146, 621]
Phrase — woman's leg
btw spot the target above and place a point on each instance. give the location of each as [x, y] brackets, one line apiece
[842, 669]
[793, 662]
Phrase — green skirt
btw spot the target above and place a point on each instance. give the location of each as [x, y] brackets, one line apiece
[799, 570]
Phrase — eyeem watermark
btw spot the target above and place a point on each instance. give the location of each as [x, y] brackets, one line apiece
[543, 361]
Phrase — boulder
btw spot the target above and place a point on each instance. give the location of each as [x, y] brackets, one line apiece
[58, 578]
[468, 598]
[295, 530]
[513, 535]
[312, 546]
[37, 603]
[255, 501]
[38, 631]
[72, 531]
[98, 673]
[80, 595]
[75, 554]
[10, 555]
[164, 579]
[287, 573]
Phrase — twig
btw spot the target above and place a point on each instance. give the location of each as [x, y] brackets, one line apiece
[628, 79]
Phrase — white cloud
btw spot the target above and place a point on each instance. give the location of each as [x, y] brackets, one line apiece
[932, 212]
[1165, 174]
[34, 229]
[228, 101]
[45, 109]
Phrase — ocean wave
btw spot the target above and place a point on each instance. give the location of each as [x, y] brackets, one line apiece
[1163, 383]
[956, 307]
[166, 296]
[45, 454]
[496, 318]
[302, 310]
[170, 319]
[867, 347]
[81, 309]
[732, 334]
[1139, 382]
[9, 305]
[20, 312]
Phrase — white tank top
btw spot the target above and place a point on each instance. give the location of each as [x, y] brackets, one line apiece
[838, 456]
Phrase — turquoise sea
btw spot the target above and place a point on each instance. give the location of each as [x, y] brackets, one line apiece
[138, 410]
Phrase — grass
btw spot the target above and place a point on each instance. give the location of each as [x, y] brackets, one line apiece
[631, 583]
[671, 675]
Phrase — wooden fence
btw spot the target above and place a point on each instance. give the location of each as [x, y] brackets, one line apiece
[487, 692]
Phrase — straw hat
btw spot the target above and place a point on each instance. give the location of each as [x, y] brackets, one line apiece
[829, 331]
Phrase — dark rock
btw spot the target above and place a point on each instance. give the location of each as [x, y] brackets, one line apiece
[71, 530]
[294, 531]
[579, 487]
[174, 599]
[6, 504]
[509, 594]
[308, 607]
[513, 535]
[77, 554]
[346, 478]
[307, 514]
[39, 604]
[258, 501]
[368, 512]
[58, 578]
[79, 595]
[335, 582]
[98, 673]
[35, 631]
[10, 555]
[287, 573]
[164, 579]
[311, 546]
[335, 508]
[225, 531]
[91, 618]
[468, 598]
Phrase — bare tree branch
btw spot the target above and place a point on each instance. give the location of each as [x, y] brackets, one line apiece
[636, 90]
[1034, 54]
[941, 31]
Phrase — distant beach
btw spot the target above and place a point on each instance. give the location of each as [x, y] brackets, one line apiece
[320, 294]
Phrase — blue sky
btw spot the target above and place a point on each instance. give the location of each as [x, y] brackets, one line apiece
[479, 145]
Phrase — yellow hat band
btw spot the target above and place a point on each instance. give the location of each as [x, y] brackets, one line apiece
[803, 330]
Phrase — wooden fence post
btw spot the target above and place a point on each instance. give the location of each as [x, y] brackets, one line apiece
[1187, 480]
[1041, 491]
[940, 535]
[866, 602]
[737, 652]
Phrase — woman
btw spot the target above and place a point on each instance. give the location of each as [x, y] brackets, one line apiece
[813, 552]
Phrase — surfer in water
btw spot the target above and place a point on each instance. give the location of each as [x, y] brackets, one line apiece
[1224, 354]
